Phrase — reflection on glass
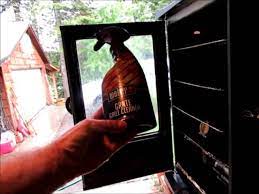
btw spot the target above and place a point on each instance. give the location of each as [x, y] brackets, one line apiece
[94, 65]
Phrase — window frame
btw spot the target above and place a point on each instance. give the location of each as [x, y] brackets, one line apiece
[146, 154]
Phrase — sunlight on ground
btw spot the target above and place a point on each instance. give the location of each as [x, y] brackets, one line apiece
[148, 184]
[50, 123]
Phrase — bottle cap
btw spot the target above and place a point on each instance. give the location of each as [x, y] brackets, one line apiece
[110, 35]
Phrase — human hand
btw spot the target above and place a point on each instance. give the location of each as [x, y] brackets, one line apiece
[91, 142]
[80, 150]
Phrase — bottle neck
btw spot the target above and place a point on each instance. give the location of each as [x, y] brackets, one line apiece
[117, 50]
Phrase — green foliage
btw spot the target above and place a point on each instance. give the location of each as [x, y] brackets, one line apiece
[93, 65]
[154, 5]
[141, 46]
[54, 57]
[72, 12]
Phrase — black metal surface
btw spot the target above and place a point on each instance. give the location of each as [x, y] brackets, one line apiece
[204, 65]
[134, 160]
[210, 22]
[73, 75]
[200, 167]
[181, 183]
[68, 105]
[213, 142]
[207, 105]
[200, 95]
[144, 155]
[200, 83]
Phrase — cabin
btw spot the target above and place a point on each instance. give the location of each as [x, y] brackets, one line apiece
[27, 78]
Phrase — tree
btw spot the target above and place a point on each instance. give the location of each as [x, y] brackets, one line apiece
[154, 5]
[33, 9]
[17, 11]
[58, 12]
[94, 65]
[67, 13]
[58, 22]
[55, 58]
[4, 4]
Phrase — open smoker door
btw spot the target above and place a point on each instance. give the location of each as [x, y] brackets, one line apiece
[198, 51]
[150, 152]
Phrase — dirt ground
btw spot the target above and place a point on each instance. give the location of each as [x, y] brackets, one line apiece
[50, 123]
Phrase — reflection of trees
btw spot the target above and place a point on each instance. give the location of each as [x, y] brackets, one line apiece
[94, 65]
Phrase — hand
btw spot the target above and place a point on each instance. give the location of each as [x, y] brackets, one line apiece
[80, 150]
[91, 142]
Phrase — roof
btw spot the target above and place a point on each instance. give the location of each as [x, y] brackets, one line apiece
[11, 34]
[179, 9]
[162, 12]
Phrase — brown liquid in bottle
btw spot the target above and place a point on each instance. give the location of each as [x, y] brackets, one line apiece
[124, 89]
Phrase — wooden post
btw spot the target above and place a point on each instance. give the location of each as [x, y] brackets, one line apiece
[54, 85]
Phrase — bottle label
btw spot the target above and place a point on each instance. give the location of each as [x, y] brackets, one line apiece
[123, 107]
[121, 101]
[130, 101]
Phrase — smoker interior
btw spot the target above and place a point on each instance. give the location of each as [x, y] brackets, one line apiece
[199, 81]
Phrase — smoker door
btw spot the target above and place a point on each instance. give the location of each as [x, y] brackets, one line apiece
[148, 153]
[198, 42]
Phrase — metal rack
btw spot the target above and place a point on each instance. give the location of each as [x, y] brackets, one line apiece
[199, 80]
